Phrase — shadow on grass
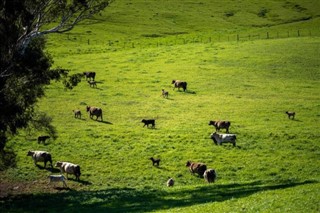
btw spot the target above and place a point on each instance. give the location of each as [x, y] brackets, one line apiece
[137, 200]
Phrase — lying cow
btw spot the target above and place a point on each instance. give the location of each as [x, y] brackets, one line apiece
[223, 138]
[40, 156]
[210, 175]
[198, 168]
[69, 168]
[220, 125]
[170, 182]
[43, 138]
[147, 122]
[179, 84]
[94, 111]
[57, 178]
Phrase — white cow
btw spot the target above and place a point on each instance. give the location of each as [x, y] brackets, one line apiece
[223, 138]
[57, 178]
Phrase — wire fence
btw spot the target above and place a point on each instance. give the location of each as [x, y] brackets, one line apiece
[182, 39]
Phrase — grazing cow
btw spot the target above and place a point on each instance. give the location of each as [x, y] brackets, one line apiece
[155, 161]
[92, 84]
[220, 125]
[77, 113]
[165, 94]
[40, 156]
[90, 75]
[147, 122]
[223, 138]
[290, 114]
[69, 168]
[198, 168]
[170, 182]
[94, 111]
[43, 138]
[179, 84]
[57, 178]
[210, 175]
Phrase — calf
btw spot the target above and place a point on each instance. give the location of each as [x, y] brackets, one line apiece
[210, 175]
[57, 178]
[290, 114]
[147, 122]
[69, 168]
[40, 156]
[165, 94]
[223, 138]
[77, 113]
[92, 84]
[198, 168]
[220, 125]
[155, 161]
[43, 138]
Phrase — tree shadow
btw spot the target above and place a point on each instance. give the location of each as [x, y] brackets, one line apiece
[134, 200]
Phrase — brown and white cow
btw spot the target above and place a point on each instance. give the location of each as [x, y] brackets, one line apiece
[69, 168]
[220, 125]
[210, 175]
[218, 139]
[40, 156]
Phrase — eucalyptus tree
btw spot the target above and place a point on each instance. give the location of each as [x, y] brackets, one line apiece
[25, 68]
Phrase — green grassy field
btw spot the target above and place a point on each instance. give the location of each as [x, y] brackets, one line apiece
[273, 168]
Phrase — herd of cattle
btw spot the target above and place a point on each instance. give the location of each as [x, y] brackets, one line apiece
[200, 169]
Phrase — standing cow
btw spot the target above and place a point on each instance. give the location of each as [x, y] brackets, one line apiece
[40, 156]
[218, 139]
[220, 125]
[90, 75]
[69, 168]
[179, 84]
[95, 111]
[198, 168]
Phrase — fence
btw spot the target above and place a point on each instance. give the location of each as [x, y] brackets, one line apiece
[182, 39]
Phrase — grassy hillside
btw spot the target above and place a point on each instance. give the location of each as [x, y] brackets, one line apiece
[273, 168]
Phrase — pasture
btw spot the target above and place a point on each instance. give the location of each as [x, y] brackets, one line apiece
[273, 168]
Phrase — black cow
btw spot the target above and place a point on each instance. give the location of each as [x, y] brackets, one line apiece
[89, 75]
[147, 122]
[95, 111]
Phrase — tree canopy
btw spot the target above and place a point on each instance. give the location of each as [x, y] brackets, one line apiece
[24, 65]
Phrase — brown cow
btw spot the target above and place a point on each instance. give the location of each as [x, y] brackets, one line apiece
[95, 111]
[220, 125]
[198, 168]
